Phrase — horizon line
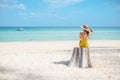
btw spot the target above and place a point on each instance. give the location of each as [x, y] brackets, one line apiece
[57, 26]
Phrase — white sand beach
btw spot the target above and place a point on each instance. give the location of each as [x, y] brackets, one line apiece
[47, 60]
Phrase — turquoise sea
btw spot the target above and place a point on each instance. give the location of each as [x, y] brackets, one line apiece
[10, 34]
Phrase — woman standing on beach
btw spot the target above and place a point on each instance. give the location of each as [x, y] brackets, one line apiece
[81, 57]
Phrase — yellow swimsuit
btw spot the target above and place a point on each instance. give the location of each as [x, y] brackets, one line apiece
[84, 40]
[83, 43]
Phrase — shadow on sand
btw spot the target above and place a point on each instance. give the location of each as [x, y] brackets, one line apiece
[5, 70]
[62, 62]
[10, 74]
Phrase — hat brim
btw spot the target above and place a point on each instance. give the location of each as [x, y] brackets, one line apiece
[85, 29]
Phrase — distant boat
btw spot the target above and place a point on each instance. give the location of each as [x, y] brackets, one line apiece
[20, 29]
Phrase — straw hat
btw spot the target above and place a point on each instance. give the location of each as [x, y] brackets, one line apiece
[87, 28]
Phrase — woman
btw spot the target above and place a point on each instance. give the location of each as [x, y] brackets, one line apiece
[80, 56]
[84, 36]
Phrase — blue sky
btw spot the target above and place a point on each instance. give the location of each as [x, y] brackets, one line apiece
[59, 12]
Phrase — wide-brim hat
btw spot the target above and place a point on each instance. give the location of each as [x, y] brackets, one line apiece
[87, 29]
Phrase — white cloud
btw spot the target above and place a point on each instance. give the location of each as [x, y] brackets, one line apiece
[32, 13]
[11, 4]
[61, 3]
[41, 15]
[29, 14]
[20, 6]
[8, 1]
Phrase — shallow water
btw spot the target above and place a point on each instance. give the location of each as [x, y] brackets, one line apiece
[56, 33]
